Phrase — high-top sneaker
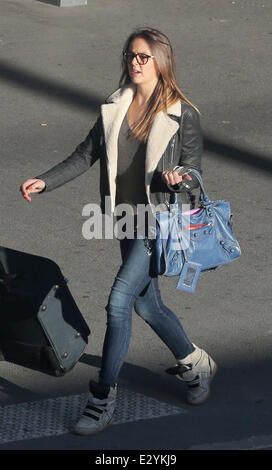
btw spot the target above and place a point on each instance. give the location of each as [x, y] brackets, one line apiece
[99, 409]
[197, 370]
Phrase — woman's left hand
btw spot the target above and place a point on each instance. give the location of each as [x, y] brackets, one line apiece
[172, 177]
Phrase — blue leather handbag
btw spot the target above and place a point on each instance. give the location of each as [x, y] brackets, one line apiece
[190, 244]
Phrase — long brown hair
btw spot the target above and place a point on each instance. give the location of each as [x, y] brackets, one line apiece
[166, 92]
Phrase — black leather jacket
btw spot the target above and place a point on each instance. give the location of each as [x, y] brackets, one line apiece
[183, 148]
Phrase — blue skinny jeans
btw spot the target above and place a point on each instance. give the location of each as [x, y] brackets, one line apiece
[136, 286]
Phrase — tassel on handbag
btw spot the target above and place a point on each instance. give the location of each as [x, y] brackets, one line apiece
[188, 244]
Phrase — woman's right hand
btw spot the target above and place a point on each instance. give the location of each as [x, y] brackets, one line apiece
[32, 185]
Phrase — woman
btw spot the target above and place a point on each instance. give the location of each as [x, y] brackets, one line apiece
[145, 129]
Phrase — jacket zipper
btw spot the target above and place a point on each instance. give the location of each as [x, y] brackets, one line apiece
[165, 198]
[172, 150]
[171, 161]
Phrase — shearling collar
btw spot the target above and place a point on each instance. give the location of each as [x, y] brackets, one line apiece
[162, 130]
[126, 93]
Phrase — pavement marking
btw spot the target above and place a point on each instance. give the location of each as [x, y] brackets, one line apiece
[56, 416]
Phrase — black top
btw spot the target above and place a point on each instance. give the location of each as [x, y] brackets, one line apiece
[130, 179]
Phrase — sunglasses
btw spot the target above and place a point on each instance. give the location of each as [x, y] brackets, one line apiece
[142, 59]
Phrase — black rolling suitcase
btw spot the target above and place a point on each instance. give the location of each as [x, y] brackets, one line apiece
[41, 326]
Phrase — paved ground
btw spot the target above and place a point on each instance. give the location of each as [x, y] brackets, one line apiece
[56, 66]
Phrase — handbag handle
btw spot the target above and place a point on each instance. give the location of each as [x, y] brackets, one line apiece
[204, 198]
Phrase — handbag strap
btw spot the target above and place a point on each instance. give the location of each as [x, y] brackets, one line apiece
[204, 198]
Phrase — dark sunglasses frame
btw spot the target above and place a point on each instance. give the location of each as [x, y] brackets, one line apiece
[129, 56]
